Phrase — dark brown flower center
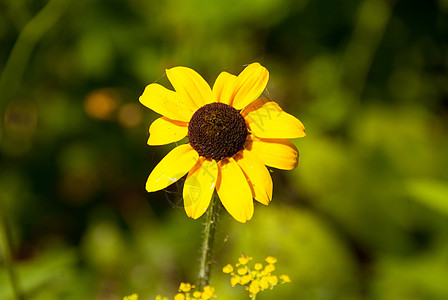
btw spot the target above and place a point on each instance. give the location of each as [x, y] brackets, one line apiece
[217, 131]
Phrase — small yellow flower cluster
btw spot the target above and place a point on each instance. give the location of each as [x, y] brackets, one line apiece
[255, 279]
[187, 292]
[131, 297]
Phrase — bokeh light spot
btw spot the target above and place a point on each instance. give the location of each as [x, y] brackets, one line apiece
[130, 115]
[101, 104]
[20, 120]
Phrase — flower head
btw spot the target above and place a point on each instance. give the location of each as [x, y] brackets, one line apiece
[233, 135]
[255, 278]
[188, 291]
[131, 297]
[185, 287]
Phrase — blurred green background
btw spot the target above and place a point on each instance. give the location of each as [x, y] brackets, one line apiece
[364, 216]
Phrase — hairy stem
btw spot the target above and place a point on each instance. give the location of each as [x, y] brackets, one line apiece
[207, 244]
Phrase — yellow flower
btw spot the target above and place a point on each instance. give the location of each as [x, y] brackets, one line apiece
[245, 279]
[264, 283]
[254, 288]
[179, 296]
[255, 278]
[232, 135]
[271, 260]
[243, 260]
[285, 278]
[242, 271]
[208, 292]
[234, 280]
[268, 269]
[184, 287]
[227, 268]
[187, 291]
[131, 297]
[273, 280]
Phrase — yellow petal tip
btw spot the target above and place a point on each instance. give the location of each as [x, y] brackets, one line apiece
[149, 189]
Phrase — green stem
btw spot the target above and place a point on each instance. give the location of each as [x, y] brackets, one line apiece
[17, 61]
[5, 252]
[207, 244]
[254, 297]
[364, 43]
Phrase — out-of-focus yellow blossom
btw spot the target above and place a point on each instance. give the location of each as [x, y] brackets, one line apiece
[234, 280]
[132, 297]
[242, 271]
[257, 278]
[263, 283]
[187, 292]
[243, 260]
[254, 288]
[271, 260]
[269, 269]
[227, 269]
[184, 287]
[208, 292]
[245, 279]
[179, 297]
[197, 294]
[273, 280]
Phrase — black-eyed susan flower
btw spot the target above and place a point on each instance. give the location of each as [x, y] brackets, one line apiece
[233, 135]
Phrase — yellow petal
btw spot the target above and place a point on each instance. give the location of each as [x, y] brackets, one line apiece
[172, 167]
[249, 85]
[266, 119]
[167, 103]
[199, 187]
[257, 174]
[224, 87]
[190, 86]
[234, 191]
[164, 131]
[277, 153]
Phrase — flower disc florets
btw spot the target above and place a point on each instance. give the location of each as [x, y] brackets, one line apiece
[217, 131]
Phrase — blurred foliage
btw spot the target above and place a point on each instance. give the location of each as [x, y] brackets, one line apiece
[364, 216]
